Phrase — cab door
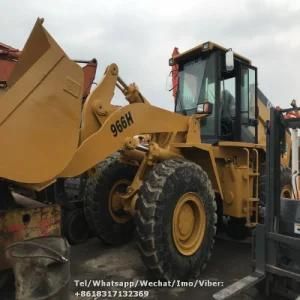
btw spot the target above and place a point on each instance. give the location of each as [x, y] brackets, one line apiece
[247, 109]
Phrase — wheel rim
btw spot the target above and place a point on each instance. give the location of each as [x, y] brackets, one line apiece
[286, 191]
[189, 223]
[115, 204]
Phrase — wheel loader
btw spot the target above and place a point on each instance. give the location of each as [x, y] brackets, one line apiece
[170, 176]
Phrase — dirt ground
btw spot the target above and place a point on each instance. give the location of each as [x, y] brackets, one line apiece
[95, 261]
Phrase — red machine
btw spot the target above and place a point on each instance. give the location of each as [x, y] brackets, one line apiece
[175, 73]
[9, 57]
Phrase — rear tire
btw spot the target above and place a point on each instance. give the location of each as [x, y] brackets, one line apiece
[235, 228]
[285, 184]
[112, 227]
[175, 188]
[75, 227]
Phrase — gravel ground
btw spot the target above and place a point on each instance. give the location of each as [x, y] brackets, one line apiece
[94, 261]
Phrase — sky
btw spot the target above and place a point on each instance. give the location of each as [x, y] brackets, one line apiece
[139, 35]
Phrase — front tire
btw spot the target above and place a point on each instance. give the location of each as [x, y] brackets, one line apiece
[107, 219]
[176, 220]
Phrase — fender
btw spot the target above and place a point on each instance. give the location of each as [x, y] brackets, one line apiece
[206, 160]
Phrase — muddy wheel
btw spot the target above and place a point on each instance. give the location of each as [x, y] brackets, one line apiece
[75, 227]
[176, 220]
[236, 228]
[285, 181]
[102, 206]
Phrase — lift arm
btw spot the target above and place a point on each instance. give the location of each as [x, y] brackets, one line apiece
[106, 128]
[44, 132]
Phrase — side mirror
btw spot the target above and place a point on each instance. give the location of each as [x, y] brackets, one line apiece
[229, 60]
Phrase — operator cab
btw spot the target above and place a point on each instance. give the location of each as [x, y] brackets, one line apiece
[212, 74]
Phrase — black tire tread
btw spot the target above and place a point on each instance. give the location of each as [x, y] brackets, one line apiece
[95, 185]
[285, 178]
[150, 208]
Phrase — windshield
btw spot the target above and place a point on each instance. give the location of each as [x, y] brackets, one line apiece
[190, 79]
[197, 84]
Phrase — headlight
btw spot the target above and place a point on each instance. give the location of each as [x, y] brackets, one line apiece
[200, 108]
[204, 108]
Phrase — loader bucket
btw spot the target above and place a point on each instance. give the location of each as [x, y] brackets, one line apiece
[40, 111]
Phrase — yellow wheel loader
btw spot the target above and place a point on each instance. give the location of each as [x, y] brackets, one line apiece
[172, 174]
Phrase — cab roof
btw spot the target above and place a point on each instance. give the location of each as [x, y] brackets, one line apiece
[207, 46]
